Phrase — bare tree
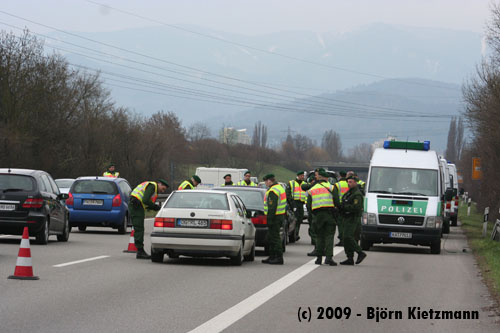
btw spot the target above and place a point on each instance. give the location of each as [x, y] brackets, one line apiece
[198, 131]
[332, 144]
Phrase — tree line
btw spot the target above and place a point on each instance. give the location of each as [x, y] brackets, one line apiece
[61, 119]
[482, 114]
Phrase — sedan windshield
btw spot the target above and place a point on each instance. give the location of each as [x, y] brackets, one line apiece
[197, 200]
[403, 181]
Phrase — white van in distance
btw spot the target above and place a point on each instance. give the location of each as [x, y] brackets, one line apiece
[403, 196]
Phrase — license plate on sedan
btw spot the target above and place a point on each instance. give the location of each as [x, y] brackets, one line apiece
[192, 223]
[400, 234]
[7, 207]
[92, 202]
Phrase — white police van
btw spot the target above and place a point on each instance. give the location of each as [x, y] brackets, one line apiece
[403, 196]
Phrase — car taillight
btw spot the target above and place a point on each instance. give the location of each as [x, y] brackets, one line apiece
[261, 219]
[456, 202]
[70, 201]
[221, 224]
[164, 222]
[33, 203]
[448, 205]
[117, 200]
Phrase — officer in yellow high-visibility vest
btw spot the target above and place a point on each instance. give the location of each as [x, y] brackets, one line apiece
[246, 181]
[296, 197]
[274, 209]
[111, 172]
[190, 184]
[144, 197]
[342, 188]
[228, 180]
[324, 200]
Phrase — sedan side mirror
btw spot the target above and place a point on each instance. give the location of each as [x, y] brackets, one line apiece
[248, 214]
[63, 196]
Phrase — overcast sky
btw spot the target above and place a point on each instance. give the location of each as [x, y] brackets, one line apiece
[250, 16]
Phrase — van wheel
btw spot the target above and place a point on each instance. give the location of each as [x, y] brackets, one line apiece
[446, 227]
[82, 227]
[365, 245]
[436, 247]
[43, 235]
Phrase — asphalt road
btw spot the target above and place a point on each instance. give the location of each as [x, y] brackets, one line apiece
[115, 292]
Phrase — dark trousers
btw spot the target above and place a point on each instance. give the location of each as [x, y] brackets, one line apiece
[350, 244]
[299, 215]
[274, 224]
[137, 215]
[325, 231]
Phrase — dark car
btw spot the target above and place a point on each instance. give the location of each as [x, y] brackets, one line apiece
[100, 202]
[31, 198]
[253, 198]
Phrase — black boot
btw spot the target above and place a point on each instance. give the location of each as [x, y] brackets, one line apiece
[318, 261]
[330, 261]
[266, 261]
[141, 254]
[313, 253]
[361, 256]
[348, 261]
[276, 261]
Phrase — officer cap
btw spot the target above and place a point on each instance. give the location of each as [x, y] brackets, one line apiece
[323, 173]
[319, 169]
[228, 175]
[351, 177]
[268, 176]
[247, 172]
[301, 172]
[198, 180]
[342, 173]
[163, 181]
[111, 164]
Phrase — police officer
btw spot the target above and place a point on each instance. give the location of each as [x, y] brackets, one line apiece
[246, 180]
[296, 197]
[324, 199]
[341, 188]
[143, 197]
[227, 180]
[111, 172]
[351, 210]
[311, 181]
[190, 184]
[274, 208]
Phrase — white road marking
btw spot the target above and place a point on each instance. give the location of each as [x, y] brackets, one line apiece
[80, 261]
[7, 236]
[235, 313]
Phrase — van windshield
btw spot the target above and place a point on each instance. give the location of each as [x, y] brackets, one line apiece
[403, 181]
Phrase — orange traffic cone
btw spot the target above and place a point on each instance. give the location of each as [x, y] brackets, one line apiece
[24, 269]
[131, 244]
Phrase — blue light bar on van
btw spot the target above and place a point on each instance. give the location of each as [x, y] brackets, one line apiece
[426, 145]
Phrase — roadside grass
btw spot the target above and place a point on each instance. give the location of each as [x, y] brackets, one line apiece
[486, 251]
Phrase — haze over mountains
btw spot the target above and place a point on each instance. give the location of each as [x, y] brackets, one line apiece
[431, 63]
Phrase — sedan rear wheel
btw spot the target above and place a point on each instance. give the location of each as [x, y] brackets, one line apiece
[82, 227]
[157, 256]
[65, 235]
[251, 255]
[122, 229]
[237, 260]
[43, 235]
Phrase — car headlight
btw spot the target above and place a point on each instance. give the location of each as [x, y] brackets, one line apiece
[434, 222]
[369, 218]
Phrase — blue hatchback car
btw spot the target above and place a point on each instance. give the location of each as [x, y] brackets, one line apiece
[99, 202]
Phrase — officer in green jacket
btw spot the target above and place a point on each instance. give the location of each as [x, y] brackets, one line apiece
[228, 180]
[296, 198]
[351, 210]
[190, 184]
[325, 200]
[246, 181]
[275, 209]
[143, 197]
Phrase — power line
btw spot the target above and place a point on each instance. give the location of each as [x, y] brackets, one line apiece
[263, 50]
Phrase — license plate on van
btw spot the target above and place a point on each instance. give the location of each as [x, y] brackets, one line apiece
[400, 234]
